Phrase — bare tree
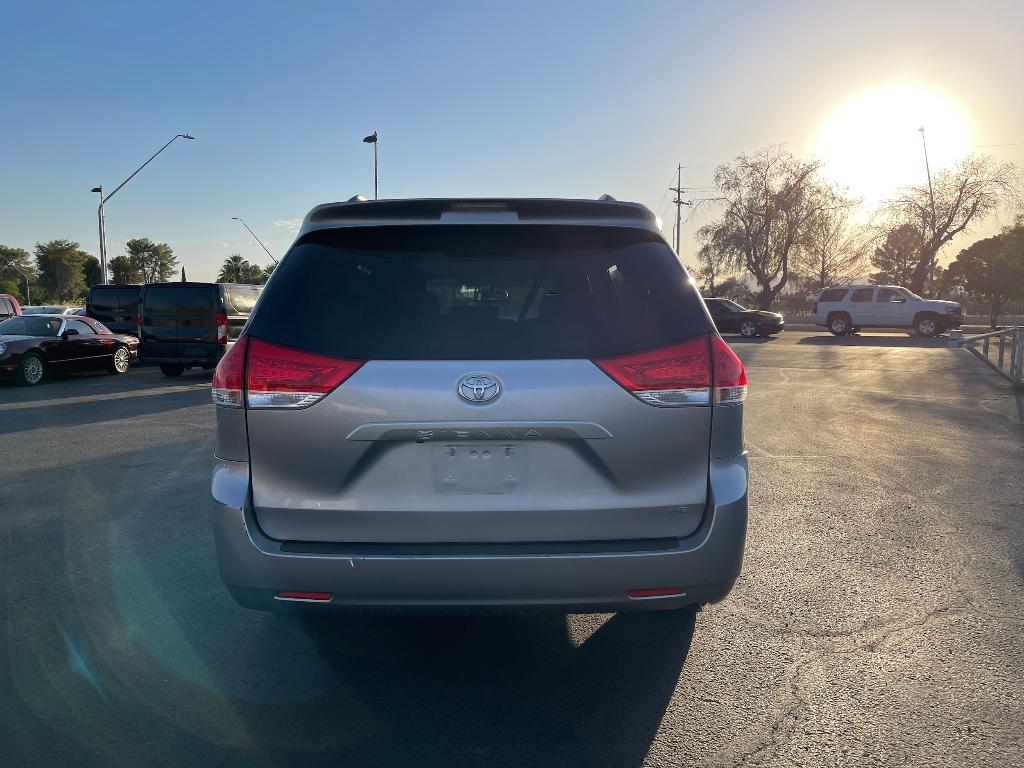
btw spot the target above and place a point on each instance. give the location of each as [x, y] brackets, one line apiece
[832, 250]
[966, 194]
[769, 197]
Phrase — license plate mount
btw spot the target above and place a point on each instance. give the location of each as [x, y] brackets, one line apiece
[479, 468]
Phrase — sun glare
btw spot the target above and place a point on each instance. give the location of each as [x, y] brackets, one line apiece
[872, 145]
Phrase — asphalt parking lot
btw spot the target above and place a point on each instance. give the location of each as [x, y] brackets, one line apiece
[878, 621]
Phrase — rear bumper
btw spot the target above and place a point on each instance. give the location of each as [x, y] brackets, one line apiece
[705, 565]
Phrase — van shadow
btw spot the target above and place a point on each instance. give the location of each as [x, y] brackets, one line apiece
[885, 340]
[513, 690]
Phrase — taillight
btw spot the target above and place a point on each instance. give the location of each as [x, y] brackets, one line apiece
[282, 377]
[681, 374]
[230, 375]
[222, 328]
[669, 376]
[730, 378]
[814, 309]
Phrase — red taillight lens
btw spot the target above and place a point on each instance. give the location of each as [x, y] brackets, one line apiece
[669, 376]
[730, 377]
[222, 328]
[282, 377]
[682, 373]
[814, 309]
[230, 375]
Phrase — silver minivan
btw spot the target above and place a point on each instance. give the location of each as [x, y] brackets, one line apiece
[480, 405]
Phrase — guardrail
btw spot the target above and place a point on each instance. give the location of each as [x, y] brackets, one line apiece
[1009, 357]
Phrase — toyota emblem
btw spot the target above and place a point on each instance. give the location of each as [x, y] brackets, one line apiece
[478, 388]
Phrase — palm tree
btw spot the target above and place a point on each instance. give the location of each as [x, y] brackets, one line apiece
[234, 269]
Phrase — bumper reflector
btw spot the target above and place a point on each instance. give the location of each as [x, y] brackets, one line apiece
[305, 597]
[640, 594]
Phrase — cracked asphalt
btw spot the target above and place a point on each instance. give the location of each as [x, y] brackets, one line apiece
[878, 622]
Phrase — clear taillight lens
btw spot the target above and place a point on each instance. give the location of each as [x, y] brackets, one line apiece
[282, 377]
[668, 376]
[696, 372]
[230, 375]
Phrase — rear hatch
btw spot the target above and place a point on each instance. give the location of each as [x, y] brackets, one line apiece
[239, 301]
[472, 384]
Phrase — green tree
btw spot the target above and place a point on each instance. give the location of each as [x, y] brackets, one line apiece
[896, 259]
[16, 268]
[235, 269]
[91, 271]
[963, 195]
[155, 262]
[61, 265]
[232, 269]
[124, 270]
[992, 269]
[770, 199]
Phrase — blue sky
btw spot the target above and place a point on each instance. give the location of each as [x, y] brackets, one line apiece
[484, 98]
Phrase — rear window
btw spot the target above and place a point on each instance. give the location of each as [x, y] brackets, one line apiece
[469, 292]
[832, 295]
[240, 299]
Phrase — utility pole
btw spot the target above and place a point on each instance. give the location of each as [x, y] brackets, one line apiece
[679, 203]
[931, 198]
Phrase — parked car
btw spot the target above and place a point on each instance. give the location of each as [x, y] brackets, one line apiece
[49, 309]
[9, 306]
[33, 346]
[846, 309]
[191, 325]
[494, 404]
[116, 306]
[731, 317]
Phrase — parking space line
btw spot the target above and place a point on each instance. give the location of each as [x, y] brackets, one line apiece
[100, 397]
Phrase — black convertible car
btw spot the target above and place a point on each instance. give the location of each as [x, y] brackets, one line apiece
[730, 317]
[32, 346]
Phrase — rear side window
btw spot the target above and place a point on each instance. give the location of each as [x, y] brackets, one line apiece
[80, 326]
[863, 294]
[5, 308]
[128, 300]
[195, 299]
[469, 292]
[832, 295]
[240, 299]
[161, 300]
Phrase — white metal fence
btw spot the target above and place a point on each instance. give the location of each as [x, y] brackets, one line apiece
[1002, 349]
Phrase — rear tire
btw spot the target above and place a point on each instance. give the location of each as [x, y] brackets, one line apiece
[927, 326]
[839, 324]
[31, 370]
[120, 361]
[172, 370]
[748, 329]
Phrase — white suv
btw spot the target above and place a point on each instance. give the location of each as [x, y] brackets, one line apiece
[847, 308]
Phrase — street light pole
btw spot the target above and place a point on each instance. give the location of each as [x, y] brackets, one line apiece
[372, 139]
[239, 218]
[103, 199]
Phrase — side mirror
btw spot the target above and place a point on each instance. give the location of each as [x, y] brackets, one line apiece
[69, 332]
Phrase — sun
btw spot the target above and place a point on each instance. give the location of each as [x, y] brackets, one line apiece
[872, 144]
